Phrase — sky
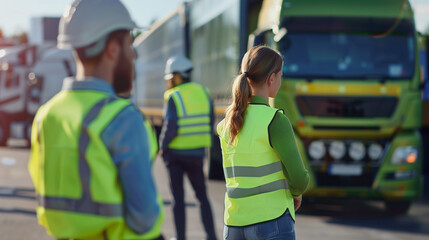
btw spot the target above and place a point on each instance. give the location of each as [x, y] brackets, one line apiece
[15, 14]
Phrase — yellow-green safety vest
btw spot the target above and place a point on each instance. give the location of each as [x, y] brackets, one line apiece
[257, 189]
[193, 112]
[152, 140]
[76, 181]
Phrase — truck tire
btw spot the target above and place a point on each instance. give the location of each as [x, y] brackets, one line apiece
[397, 207]
[4, 131]
[215, 170]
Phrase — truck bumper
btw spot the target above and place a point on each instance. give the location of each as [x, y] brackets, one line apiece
[392, 181]
[392, 190]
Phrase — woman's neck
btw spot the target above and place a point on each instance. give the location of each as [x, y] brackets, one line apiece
[261, 92]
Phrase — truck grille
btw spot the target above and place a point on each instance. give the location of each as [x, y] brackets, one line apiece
[325, 179]
[348, 107]
[345, 170]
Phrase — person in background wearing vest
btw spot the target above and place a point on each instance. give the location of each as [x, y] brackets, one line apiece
[186, 132]
[264, 173]
[90, 150]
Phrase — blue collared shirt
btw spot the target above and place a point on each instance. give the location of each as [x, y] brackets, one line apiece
[127, 142]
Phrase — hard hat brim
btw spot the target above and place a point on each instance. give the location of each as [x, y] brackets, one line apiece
[168, 76]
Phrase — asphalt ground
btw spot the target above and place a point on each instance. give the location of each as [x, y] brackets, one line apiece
[318, 219]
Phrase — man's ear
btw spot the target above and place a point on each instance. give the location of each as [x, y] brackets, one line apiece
[112, 49]
[177, 79]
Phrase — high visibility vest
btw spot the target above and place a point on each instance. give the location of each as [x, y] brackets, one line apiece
[193, 112]
[257, 189]
[152, 140]
[76, 181]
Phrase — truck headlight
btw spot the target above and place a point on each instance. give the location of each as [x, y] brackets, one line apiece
[374, 151]
[317, 150]
[357, 151]
[404, 155]
[337, 150]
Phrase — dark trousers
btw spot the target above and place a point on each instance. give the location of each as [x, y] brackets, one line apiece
[193, 166]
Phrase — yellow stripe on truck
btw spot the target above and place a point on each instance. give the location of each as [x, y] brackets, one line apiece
[349, 90]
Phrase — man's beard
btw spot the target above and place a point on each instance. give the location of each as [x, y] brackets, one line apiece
[123, 75]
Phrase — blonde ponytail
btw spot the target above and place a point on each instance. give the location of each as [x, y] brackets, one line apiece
[241, 94]
[257, 65]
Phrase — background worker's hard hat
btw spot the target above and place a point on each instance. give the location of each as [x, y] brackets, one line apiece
[178, 64]
[86, 21]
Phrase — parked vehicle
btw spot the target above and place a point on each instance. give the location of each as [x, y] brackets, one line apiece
[29, 76]
[350, 87]
[352, 93]
[15, 63]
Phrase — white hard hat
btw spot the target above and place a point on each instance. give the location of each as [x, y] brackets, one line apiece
[178, 64]
[87, 21]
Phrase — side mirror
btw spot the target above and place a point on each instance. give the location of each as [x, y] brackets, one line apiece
[267, 36]
[280, 34]
[256, 39]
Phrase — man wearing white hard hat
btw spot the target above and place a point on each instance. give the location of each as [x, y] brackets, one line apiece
[90, 149]
[187, 131]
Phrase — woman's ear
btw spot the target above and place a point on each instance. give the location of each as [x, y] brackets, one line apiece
[271, 79]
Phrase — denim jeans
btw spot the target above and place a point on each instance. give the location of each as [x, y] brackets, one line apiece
[279, 228]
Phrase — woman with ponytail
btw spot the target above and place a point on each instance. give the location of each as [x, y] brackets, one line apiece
[265, 176]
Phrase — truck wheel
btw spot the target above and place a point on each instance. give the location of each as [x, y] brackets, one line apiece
[397, 207]
[215, 160]
[4, 132]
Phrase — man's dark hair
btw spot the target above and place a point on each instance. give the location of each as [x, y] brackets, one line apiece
[188, 78]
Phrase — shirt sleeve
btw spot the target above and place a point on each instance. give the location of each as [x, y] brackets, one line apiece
[282, 139]
[127, 141]
[169, 126]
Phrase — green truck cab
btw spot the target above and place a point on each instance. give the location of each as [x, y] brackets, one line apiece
[351, 91]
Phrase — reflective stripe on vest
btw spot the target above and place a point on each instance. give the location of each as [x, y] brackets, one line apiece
[188, 123]
[193, 116]
[239, 171]
[85, 204]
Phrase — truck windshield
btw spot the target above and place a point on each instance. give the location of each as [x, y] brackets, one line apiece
[348, 48]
